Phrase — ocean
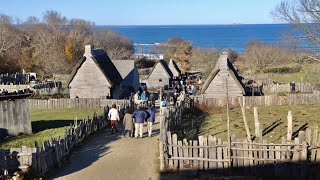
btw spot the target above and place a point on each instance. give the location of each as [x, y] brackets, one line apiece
[222, 37]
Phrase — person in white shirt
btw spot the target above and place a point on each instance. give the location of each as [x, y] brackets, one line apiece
[113, 116]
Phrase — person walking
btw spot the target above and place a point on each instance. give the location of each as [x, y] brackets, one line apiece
[128, 124]
[150, 120]
[114, 117]
[163, 105]
[139, 117]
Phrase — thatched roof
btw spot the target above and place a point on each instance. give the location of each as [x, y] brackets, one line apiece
[174, 68]
[165, 66]
[223, 64]
[126, 69]
[102, 60]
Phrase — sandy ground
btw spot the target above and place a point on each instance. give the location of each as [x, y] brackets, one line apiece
[107, 156]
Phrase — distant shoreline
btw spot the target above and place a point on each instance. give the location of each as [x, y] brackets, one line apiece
[235, 24]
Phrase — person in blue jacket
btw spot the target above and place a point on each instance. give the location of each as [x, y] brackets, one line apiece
[139, 116]
[150, 120]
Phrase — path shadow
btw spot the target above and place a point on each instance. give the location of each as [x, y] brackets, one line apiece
[87, 153]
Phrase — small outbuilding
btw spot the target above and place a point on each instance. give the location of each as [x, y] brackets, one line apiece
[130, 75]
[176, 72]
[160, 75]
[95, 76]
[222, 80]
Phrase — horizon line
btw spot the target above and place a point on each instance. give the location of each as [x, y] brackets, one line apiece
[232, 24]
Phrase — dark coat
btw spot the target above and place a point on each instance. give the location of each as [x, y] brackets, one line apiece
[139, 116]
[151, 115]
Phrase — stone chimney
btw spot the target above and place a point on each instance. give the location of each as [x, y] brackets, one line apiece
[88, 49]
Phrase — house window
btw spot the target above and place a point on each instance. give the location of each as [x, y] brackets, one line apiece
[160, 80]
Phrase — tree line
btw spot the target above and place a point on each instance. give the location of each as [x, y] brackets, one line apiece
[54, 44]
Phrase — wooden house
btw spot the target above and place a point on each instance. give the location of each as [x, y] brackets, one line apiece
[174, 68]
[160, 75]
[130, 75]
[223, 80]
[95, 76]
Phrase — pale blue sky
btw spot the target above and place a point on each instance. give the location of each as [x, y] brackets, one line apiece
[148, 12]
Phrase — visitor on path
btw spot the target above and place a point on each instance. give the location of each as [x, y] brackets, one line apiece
[150, 120]
[128, 124]
[163, 105]
[113, 116]
[139, 117]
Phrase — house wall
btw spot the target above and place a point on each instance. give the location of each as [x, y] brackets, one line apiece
[217, 87]
[158, 73]
[89, 82]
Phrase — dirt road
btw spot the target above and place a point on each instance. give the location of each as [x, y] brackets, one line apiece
[108, 156]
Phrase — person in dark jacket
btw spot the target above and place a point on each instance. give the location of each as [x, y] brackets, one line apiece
[139, 117]
[150, 120]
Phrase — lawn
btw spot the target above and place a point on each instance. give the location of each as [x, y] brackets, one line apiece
[48, 123]
[273, 121]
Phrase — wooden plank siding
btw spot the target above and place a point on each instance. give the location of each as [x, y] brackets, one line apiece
[89, 82]
[158, 77]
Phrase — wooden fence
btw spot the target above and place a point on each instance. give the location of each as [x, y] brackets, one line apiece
[258, 101]
[299, 87]
[51, 91]
[14, 117]
[296, 155]
[74, 103]
[51, 153]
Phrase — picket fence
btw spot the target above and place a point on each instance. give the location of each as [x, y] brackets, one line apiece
[77, 103]
[295, 156]
[258, 101]
[52, 152]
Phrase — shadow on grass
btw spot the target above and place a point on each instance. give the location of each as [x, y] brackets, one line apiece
[271, 127]
[42, 125]
[192, 120]
[302, 128]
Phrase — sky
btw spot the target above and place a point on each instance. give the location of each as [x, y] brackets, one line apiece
[148, 12]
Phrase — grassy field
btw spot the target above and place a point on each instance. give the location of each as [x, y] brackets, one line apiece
[273, 121]
[48, 123]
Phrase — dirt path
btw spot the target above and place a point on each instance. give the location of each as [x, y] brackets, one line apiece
[107, 156]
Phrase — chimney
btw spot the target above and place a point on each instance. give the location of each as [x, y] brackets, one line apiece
[88, 49]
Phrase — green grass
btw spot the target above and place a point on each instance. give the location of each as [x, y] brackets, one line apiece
[273, 121]
[48, 123]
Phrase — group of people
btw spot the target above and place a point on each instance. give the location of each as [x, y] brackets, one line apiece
[141, 96]
[4, 92]
[133, 122]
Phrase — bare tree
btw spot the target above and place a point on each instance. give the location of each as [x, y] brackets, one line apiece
[116, 45]
[303, 14]
[79, 30]
[204, 60]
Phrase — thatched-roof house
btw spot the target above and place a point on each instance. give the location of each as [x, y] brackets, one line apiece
[174, 68]
[223, 78]
[95, 76]
[160, 75]
[130, 75]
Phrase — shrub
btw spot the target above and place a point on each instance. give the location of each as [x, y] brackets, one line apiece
[282, 70]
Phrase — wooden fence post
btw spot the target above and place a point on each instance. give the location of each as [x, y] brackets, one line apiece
[289, 131]
[258, 133]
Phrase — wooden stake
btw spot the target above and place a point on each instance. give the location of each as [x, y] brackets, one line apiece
[228, 124]
[242, 105]
[256, 123]
[289, 131]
